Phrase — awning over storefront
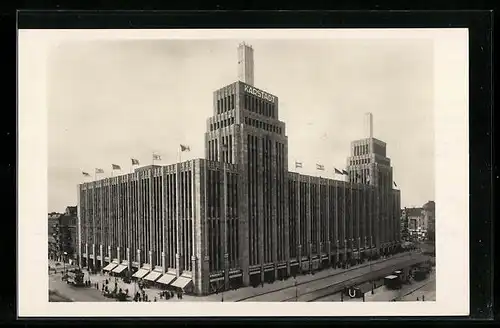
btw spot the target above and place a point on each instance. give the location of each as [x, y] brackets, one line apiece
[119, 268]
[166, 279]
[152, 276]
[110, 267]
[182, 282]
[140, 273]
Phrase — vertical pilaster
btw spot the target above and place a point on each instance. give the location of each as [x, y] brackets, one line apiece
[298, 226]
[204, 263]
[101, 254]
[177, 220]
[223, 186]
[151, 217]
[274, 203]
[119, 216]
[129, 260]
[94, 255]
[199, 217]
[286, 218]
[260, 204]
[243, 204]
[87, 255]
[328, 219]
[308, 220]
[79, 242]
[319, 242]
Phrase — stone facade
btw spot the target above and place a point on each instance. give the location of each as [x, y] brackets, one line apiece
[239, 217]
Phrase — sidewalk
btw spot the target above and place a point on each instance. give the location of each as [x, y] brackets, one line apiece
[231, 295]
[425, 289]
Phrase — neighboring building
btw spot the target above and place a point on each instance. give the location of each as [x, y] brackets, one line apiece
[173, 224]
[429, 212]
[405, 234]
[420, 221]
[62, 234]
[53, 231]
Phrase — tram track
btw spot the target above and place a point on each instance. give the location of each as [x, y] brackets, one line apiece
[282, 289]
[413, 291]
[337, 287]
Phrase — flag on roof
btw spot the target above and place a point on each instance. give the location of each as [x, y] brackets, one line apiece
[85, 174]
[185, 148]
[99, 171]
[337, 171]
[115, 167]
[320, 167]
[135, 161]
[298, 165]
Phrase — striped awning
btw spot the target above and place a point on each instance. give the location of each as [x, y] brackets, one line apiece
[152, 276]
[166, 279]
[120, 268]
[140, 273]
[110, 267]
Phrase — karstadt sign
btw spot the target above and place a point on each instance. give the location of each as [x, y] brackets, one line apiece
[259, 93]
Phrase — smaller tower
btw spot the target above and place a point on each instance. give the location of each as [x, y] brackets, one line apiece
[245, 64]
[368, 125]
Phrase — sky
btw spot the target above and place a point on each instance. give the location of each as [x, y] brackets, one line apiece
[110, 101]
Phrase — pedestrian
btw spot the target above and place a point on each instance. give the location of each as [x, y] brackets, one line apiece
[418, 299]
[155, 299]
[423, 298]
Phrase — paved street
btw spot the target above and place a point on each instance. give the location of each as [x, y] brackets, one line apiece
[75, 294]
[315, 289]
[276, 291]
[416, 289]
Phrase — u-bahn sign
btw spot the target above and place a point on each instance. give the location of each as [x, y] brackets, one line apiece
[259, 93]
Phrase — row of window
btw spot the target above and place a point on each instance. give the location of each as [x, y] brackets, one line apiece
[262, 125]
[259, 106]
[222, 124]
[360, 161]
[361, 150]
[225, 104]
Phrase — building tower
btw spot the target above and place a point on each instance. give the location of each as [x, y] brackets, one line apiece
[245, 131]
[369, 164]
[245, 64]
